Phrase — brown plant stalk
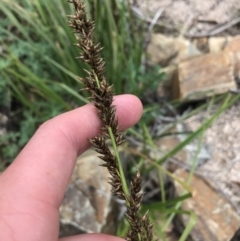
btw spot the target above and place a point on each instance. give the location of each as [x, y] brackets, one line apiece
[102, 97]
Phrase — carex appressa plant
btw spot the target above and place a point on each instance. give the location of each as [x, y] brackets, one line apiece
[102, 97]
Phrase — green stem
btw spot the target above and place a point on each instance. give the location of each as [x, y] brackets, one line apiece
[122, 177]
[121, 173]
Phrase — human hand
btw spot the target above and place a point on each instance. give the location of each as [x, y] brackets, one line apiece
[32, 188]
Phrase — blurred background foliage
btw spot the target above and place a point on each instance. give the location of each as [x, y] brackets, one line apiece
[38, 66]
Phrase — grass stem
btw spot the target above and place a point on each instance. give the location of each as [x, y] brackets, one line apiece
[122, 176]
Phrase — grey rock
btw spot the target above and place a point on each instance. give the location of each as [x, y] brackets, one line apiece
[88, 206]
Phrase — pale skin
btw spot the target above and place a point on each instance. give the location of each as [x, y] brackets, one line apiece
[32, 188]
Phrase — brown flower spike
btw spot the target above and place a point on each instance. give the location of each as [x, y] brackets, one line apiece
[102, 96]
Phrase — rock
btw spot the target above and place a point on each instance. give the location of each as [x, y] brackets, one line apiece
[223, 142]
[236, 236]
[216, 218]
[187, 154]
[169, 142]
[161, 49]
[167, 50]
[217, 44]
[201, 44]
[203, 76]
[236, 68]
[88, 205]
[233, 45]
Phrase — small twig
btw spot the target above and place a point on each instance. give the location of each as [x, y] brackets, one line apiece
[155, 19]
[209, 21]
[140, 15]
[214, 31]
[150, 28]
[188, 24]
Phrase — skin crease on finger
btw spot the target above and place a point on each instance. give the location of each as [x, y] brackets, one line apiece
[32, 188]
[92, 237]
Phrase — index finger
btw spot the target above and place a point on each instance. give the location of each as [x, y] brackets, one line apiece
[46, 163]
